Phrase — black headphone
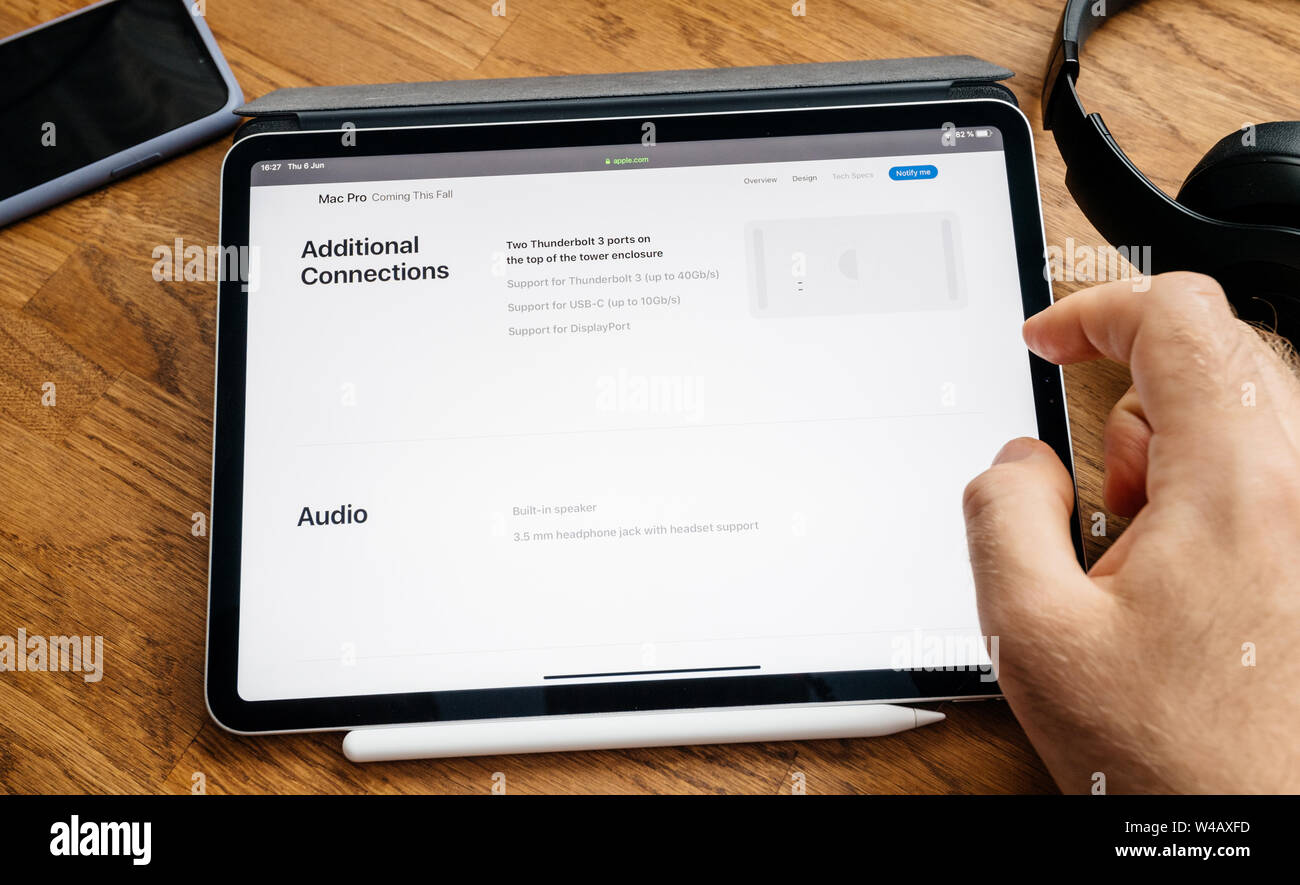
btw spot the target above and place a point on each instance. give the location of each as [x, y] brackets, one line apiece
[1236, 218]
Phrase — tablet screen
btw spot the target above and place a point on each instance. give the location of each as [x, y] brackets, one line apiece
[609, 413]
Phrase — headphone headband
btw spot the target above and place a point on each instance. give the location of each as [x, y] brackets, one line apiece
[1078, 21]
[1121, 202]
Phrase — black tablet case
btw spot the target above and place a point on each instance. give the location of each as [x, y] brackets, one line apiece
[650, 93]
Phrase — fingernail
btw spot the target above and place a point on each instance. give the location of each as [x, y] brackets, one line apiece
[1016, 450]
[1027, 332]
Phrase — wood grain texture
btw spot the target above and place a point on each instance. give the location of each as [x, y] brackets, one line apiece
[97, 491]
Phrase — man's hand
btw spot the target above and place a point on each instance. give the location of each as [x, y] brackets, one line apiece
[1173, 665]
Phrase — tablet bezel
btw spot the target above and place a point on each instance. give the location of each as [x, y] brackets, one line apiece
[234, 713]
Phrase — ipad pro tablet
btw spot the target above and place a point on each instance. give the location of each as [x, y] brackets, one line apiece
[626, 414]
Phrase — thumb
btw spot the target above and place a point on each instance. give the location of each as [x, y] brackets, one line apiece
[1018, 515]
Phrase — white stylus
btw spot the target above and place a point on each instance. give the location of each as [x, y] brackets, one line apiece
[611, 731]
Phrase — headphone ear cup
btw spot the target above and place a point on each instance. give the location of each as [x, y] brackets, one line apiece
[1249, 177]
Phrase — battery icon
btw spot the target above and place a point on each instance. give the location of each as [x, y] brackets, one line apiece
[983, 133]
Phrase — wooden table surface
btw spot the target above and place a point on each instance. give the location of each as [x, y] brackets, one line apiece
[97, 491]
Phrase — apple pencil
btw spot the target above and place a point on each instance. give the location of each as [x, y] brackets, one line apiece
[612, 731]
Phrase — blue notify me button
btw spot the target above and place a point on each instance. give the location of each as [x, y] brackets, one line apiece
[912, 173]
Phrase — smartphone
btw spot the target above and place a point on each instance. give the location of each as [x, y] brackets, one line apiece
[103, 92]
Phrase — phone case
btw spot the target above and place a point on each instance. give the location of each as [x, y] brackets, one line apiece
[133, 159]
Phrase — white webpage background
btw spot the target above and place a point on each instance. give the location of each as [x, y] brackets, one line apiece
[847, 439]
